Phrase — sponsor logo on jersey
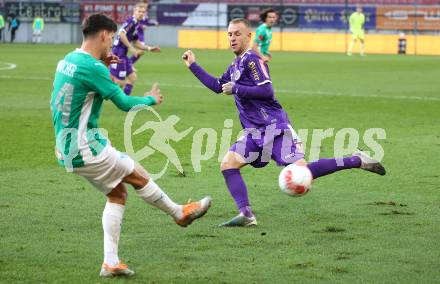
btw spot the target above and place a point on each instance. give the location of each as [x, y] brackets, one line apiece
[254, 71]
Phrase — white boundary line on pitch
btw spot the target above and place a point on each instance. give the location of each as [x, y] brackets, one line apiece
[9, 66]
[301, 92]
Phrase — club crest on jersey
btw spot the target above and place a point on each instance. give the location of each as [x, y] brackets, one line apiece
[236, 75]
[254, 71]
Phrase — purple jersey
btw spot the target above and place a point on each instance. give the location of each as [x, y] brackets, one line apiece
[130, 28]
[140, 34]
[249, 70]
[274, 137]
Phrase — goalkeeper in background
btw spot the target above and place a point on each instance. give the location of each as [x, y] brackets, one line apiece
[357, 21]
[263, 34]
[37, 27]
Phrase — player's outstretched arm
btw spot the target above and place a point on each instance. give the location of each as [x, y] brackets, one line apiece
[126, 103]
[260, 92]
[207, 79]
[143, 46]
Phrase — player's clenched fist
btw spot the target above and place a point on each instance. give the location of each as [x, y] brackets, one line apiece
[227, 88]
[189, 57]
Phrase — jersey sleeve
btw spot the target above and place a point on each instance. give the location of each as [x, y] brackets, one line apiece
[98, 79]
[259, 36]
[225, 77]
[258, 70]
[128, 26]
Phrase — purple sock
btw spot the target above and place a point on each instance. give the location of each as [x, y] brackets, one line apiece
[324, 167]
[127, 89]
[133, 59]
[238, 190]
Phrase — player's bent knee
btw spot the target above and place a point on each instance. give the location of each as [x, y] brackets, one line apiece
[225, 166]
[138, 178]
[231, 161]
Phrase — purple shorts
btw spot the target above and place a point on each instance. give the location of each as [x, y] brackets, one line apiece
[122, 69]
[280, 145]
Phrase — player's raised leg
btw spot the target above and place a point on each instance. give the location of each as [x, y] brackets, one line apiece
[151, 193]
[294, 153]
[359, 159]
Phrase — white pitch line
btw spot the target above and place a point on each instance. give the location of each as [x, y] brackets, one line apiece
[300, 92]
[9, 66]
[316, 93]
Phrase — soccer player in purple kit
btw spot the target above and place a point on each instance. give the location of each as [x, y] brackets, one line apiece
[127, 40]
[143, 24]
[268, 131]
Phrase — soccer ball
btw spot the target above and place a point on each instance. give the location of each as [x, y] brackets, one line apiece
[295, 180]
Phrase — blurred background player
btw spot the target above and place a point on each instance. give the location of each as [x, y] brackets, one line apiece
[14, 24]
[37, 27]
[268, 131]
[357, 21]
[82, 82]
[144, 23]
[2, 26]
[263, 34]
[127, 41]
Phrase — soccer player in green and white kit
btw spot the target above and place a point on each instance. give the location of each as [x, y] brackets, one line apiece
[357, 21]
[263, 34]
[82, 82]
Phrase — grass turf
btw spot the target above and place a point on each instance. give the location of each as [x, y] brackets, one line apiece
[352, 227]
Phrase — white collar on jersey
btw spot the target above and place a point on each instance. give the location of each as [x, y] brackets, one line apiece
[244, 52]
[80, 50]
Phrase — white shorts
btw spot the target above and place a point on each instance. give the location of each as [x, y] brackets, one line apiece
[37, 32]
[107, 170]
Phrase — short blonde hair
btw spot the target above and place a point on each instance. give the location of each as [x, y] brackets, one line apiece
[140, 4]
[241, 20]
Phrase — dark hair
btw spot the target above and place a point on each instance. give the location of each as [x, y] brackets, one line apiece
[263, 15]
[96, 23]
[241, 20]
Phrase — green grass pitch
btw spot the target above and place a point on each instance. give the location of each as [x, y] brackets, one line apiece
[352, 227]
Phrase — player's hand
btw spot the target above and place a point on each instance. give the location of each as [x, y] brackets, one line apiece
[227, 88]
[189, 57]
[154, 49]
[111, 59]
[155, 93]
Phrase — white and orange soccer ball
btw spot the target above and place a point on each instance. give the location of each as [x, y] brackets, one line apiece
[295, 180]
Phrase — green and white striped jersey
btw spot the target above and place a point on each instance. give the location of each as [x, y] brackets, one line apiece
[81, 84]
